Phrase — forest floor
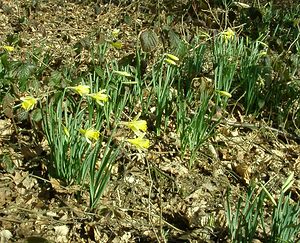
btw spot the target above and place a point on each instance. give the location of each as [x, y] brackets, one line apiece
[153, 197]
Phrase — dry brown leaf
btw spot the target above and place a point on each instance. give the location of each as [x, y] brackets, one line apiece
[61, 232]
[62, 189]
[244, 171]
[29, 182]
[19, 177]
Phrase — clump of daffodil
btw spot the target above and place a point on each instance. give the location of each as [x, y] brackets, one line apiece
[81, 89]
[228, 34]
[90, 134]
[171, 59]
[224, 93]
[100, 97]
[140, 142]
[8, 48]
[137, 126]
[28, 102]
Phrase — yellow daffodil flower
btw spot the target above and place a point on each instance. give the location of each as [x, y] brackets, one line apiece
[81, 89]
[8, 48]
[66, 131]
[28, 102]
[115, 33]
[99, 97]
[224, 93]
[262, 53]
[136, 126]
[170, 61]
[172, 57]
[228, 34]
[90, 134]
[117, 44]
[140, 142]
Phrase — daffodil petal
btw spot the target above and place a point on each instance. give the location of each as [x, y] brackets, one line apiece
[115, 33]
[8, 48]
[90, 134]
[117, 44]
[140, 142]
[136, 126]
[28, 102]
[173, 57]
[99, 97]
[170, 61]
[228, 34]
[224, 93]
[81, 89]
[66, 131]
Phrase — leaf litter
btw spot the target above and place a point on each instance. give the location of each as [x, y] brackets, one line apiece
[147, 196]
